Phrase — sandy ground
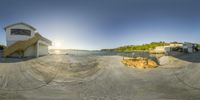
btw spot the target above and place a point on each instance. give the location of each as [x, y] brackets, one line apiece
[66, 77]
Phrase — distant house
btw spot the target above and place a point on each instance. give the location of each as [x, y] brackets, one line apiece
[23, 41]
[190, 47]
[162, 49]
[180, 47]
[167, 48]
[176, 44]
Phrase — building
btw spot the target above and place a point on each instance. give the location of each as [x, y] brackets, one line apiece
[162, 49]
[177, 47]
[23, 41]
[190, 47]
[176, 44]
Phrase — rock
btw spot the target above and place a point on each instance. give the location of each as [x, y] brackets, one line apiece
[166, 60]
[140, 62]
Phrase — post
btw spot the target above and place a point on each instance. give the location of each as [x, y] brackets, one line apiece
[37, 49]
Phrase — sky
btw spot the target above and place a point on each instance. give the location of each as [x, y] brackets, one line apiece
[98, 24]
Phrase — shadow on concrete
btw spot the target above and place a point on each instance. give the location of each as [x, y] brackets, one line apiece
[14, 60]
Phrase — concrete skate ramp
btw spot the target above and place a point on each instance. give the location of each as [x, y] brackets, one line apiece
[65, 77]
[26, 75]
[186, 68]
[189, 75]
[189, 72]
[36, 73]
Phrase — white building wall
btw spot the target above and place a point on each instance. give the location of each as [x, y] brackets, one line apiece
[190, 50]
[30, 51]
[10, 39]
[176, 45]
[43, 50]
[160, 49]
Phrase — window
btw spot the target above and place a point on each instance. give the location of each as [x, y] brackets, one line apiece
[20, 32]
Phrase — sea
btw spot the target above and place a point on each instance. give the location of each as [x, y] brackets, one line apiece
[104, 53]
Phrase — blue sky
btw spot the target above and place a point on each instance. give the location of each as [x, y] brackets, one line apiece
[97, 24]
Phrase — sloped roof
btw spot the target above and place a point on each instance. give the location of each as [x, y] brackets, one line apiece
[44, 39]
[22, 23]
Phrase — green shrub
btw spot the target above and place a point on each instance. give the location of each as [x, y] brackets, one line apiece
[2, 47]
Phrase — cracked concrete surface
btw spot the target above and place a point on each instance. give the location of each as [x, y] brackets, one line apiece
[69, 77]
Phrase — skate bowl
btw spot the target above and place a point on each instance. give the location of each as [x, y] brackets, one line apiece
[74, 77]
[36, 73]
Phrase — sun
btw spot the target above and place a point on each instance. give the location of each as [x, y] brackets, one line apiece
[57, 45]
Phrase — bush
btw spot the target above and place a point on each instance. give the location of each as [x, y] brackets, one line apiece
[2, 47]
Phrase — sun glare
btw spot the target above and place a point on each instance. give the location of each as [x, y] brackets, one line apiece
[57, 45]
[57, 52]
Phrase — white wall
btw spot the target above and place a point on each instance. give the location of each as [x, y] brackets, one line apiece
[162, 49]
[43, 49]
[10, 39]
[30, 51]
[190, 50]
[176, 45]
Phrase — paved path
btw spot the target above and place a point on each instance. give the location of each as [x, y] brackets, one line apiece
[34, 80]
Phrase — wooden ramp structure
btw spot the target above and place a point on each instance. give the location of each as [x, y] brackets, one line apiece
[21, 46]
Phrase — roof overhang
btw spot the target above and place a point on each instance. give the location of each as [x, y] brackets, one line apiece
[47, 41]
[20, 23]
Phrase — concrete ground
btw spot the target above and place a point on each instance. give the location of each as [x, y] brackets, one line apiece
[69, 77]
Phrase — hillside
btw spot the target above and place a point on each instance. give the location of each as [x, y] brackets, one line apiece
[143, 47]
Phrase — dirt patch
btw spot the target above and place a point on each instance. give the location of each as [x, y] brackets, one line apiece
[140, 62]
